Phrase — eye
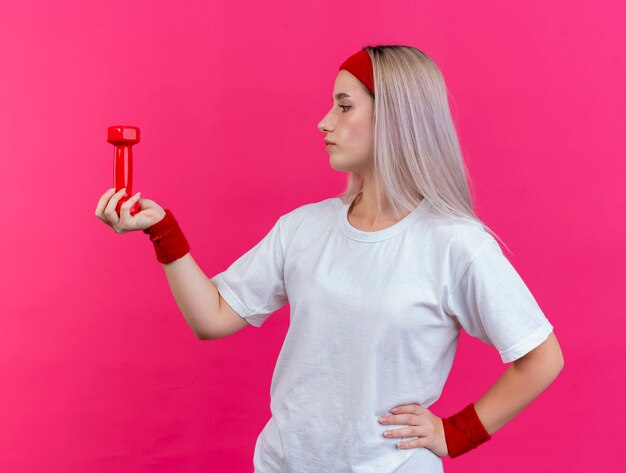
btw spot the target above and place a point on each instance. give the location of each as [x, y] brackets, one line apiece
[344, 107]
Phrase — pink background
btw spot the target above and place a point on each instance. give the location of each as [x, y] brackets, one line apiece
[100, 371]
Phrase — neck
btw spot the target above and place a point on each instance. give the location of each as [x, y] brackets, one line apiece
[365, 208]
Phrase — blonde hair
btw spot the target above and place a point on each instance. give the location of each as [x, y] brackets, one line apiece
[416, 148]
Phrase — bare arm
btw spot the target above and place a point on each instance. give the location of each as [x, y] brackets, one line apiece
[520, 384]
[208, 315]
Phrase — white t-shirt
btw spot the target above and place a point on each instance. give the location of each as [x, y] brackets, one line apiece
[374, 322]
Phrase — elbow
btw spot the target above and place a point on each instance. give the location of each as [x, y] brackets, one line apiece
[561, 362]
[206, 336]
[548, 361]
[548, 355]
[557, 367]
[557, 359]
[201, 336]
[556, 363]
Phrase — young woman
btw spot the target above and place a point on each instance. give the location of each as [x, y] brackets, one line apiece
[379, 280]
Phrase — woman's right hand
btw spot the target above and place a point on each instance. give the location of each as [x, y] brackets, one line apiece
[149, 212]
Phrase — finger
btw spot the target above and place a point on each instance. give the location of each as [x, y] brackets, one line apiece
[125, 215]
[103, 202]
[147, 203]
[415, 443]
[414, 408]
[408, 418]
[109, 210]
[407, 431]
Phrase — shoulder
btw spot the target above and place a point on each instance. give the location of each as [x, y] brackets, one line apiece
[312, 211]
[307, 219]
[459, 240]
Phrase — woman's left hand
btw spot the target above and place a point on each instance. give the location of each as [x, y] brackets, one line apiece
[421, 423]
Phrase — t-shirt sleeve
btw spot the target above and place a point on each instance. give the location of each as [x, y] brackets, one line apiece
[492, 303]
[254, 284]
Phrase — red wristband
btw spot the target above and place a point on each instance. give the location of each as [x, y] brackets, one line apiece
[168, 239]
[464, 431]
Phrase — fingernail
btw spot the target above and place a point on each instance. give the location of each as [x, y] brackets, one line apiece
[137, 194]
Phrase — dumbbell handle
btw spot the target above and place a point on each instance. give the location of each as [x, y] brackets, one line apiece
[123, 175]
[123, 138]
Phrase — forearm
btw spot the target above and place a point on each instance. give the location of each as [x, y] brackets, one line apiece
[516, 388]
[196, 296]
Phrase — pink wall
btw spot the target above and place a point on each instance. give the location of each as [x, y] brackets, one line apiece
[99, 369]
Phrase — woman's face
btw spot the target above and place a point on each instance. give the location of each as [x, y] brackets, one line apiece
[349, 124]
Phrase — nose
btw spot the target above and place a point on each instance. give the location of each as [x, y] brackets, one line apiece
[322, 125]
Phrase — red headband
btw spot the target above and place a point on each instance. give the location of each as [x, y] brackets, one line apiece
[360, 66]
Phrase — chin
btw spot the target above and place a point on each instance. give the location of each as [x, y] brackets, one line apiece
[342, 166]
[337, 165]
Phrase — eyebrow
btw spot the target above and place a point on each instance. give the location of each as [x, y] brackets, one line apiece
[341, 95]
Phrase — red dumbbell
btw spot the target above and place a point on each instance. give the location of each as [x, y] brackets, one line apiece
[123, 138]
